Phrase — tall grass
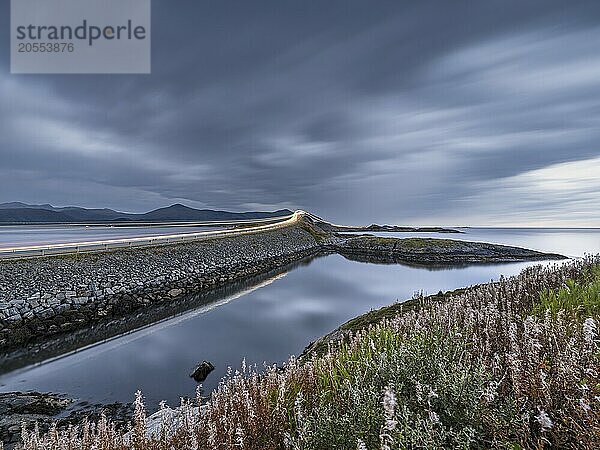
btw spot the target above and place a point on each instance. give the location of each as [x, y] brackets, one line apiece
[581, 296]
[512, 364]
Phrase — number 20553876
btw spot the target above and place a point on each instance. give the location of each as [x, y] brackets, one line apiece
[45, 47]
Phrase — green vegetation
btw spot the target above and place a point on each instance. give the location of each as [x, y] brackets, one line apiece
[475, 369]
[436, 395]
[377, 316]
[582, 297]
[389, 312]
[406, 243]
[318, 234]
[420, 243]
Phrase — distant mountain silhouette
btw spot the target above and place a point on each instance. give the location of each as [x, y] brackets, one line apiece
[183, 212]
[17, 212]
[19, 205]
[32, 215]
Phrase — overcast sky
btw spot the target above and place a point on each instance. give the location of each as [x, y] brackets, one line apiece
[449, 113]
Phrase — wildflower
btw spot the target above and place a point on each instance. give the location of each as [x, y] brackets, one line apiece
[360, 446]
[389, 407]
[298, 407]
[490, 392]
[419, 390]
[433, 417]
[544, 420]
[166, 428]
[589, 330]
[239, 437]
[139, 420]
[432, 394]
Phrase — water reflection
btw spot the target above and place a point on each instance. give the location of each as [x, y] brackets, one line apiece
[173, 312]
[416, 265]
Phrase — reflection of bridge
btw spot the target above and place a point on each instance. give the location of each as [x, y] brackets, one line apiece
[241, 227]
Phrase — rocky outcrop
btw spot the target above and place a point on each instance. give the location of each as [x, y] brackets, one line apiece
[202, 371]
[329, 227]
[46, 409]
[433, 251]
[16, 407]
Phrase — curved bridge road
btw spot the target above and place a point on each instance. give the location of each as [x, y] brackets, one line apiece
[254, 226]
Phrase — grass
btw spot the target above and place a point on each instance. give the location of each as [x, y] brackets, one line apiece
[423, 243]
[432, 381]
[389, 312]
[407, 243]
[380, 315]
[581, 297]
[507, 365]
[319, 235]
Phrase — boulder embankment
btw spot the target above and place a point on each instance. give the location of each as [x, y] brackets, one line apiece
[42, 297]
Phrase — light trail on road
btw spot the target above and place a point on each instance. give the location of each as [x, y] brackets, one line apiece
[145, 241]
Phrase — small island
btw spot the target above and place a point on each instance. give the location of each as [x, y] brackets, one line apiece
[433, 251]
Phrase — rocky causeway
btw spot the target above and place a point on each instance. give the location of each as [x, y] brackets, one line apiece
[41, 297]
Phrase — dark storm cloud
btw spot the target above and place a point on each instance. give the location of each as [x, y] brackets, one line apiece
[412, 112]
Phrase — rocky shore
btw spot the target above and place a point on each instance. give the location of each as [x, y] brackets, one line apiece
[433, 251]
[46, 409]
[109, 327]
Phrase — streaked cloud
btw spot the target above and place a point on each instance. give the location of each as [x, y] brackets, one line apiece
[424, 113]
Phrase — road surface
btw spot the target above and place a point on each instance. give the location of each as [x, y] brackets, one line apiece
[250, 226]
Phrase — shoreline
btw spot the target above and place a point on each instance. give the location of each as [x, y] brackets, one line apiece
[48, 408]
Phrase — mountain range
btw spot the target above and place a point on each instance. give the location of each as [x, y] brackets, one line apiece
[17, 212]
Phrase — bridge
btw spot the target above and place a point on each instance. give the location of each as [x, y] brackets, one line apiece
[243, 227]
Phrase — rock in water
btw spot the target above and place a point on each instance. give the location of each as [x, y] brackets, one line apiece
[201, 371]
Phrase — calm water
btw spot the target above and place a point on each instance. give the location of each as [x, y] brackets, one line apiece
[20, 236]
[266, 323]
